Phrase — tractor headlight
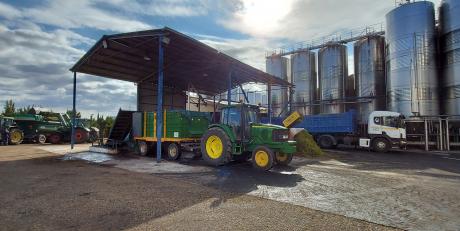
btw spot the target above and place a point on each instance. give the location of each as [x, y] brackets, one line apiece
[280, 135]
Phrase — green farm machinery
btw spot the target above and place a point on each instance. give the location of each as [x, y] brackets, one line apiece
[8, 128]
[238, 135]
[55, 128]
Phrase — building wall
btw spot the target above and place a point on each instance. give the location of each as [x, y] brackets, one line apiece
[147, 98]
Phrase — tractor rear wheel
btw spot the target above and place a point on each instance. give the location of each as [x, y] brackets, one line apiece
[55, 138]
[283, 158]
[81, 136]
[263, 158]
[16, 136]
[216, 147]
[173, 151]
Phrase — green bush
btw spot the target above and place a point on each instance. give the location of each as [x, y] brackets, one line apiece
[306, 144]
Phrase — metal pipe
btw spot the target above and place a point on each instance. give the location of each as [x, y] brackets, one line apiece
[447, 135]
[160, 97]
[229, 90]
[74, 110]
[427, 148]
[441, 147]
[269, 95]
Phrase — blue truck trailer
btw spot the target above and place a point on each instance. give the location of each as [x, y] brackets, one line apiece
[383, 130]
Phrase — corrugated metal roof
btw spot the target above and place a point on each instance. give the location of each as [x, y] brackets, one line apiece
[187, 62]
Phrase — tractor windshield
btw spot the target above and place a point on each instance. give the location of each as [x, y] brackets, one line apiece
[252, 116]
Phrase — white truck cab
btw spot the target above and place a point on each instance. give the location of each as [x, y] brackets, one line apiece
[385, 130]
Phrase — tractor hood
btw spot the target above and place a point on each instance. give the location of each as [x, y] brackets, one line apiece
[268, 126]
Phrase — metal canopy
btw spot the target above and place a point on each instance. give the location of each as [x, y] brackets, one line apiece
[187, 62]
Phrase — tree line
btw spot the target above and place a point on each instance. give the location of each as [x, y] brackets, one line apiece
[104, 124]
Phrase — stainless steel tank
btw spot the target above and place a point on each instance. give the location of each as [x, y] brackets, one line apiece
[412, 80]
[450, 52]
[333, 71]
[303, 70]
[369, 58]
[278, 66]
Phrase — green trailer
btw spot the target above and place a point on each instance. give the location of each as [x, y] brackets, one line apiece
[181, 129]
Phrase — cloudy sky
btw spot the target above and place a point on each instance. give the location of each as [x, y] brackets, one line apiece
[40, 40]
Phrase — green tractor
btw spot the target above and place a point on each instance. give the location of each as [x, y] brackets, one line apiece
[55, 128]
[240, 136]
[16, 136]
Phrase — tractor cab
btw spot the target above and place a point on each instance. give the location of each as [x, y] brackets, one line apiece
[239, 118]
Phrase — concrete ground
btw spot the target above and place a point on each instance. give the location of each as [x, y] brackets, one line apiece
[411, 190]
[39, 191]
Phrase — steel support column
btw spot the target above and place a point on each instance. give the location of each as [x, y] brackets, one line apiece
[269, 95]
[74, 110]
[229, 90]
[244, 93]
[447, 135]
[160, 97]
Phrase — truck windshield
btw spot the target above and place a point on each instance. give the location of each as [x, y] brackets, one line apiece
[393, 121]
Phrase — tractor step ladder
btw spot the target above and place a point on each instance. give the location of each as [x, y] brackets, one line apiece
[121, 127]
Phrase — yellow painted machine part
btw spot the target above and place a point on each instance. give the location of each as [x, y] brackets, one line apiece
[214, 147]
[262, 158]
[281, 157]
[291, 119]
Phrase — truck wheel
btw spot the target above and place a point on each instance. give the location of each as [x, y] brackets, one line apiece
[216, 147]
[283, 158]
[41, 139]
[55, 138]
[16, 136]
[142, 148]
[262, 158]
[380, 145]
[326, 141]
[81, 136]
[173, 151]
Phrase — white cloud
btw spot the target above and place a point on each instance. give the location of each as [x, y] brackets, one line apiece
[177, 8]
[302, 20]
[34, 71]
[8, 11]
[71, 14]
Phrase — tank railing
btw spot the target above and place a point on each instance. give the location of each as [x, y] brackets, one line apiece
[341, 37]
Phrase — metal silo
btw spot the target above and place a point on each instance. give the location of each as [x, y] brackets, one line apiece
[412, 81]
[278, 66]
[303, 70]
[450, 51]
[369, 54]
[333, 71]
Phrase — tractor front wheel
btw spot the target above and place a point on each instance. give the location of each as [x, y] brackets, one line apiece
[263, 158]
[41, 138]
[16, 136]
[283, 158]
[216, 147]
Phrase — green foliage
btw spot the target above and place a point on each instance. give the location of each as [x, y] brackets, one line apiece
[24, 110]
[306, 144]
[70, 114]
[9, 108]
